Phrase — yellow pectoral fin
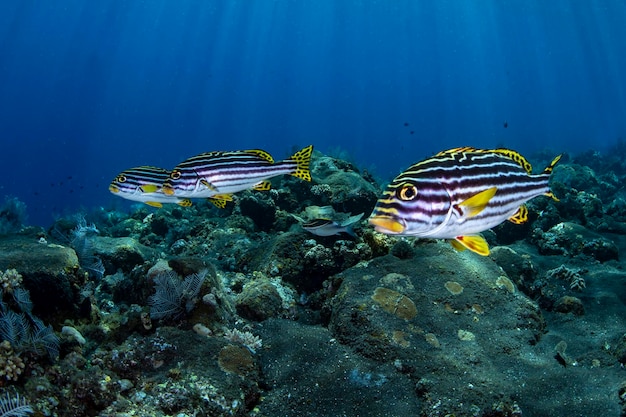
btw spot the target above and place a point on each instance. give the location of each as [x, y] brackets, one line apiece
[262, 186]
[456, 245]
[154, 204]
[475, 243]
[477, 203]
[149, 188]
[520, 216]
[185, 203]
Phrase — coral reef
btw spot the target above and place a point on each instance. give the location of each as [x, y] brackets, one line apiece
[241, 312]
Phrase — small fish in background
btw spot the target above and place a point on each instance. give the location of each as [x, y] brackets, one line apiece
[327, 227]
[459, 193]
[224, 173]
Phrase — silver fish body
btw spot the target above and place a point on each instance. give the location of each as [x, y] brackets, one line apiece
[327, 227]
[459, 193]
[225, 173]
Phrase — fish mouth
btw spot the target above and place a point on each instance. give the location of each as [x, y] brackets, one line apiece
[114, 189]
[387, 224]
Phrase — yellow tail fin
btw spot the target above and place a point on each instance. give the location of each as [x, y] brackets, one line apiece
[303, 160]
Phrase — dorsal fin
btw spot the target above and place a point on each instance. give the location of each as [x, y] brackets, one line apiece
[515, 156]
[458, 150]
[261, 154]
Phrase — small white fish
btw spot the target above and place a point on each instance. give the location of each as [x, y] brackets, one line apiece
[327, 227]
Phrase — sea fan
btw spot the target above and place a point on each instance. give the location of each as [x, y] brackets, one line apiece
[24, 336]
[174, 297]
[43, 338]
[14, 406]
[22, 299]
[14, 328]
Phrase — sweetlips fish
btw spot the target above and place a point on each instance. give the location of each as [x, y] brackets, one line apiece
[459, 193]
[224, 173]
[144, 184]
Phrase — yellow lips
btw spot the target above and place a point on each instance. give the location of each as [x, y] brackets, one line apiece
[385, 224]
[114, 188]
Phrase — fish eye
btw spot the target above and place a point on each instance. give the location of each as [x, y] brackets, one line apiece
[121, 178]
[407, 192]
[175, 175]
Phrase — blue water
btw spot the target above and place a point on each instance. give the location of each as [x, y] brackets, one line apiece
[89, 88]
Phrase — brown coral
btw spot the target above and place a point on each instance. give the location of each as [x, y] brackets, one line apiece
[11, 365]
[395, 303]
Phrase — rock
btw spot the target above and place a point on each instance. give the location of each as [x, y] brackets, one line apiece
[569, 304]
[574, 240]
[402, 311]
[50, 272]
[329, 380]
[619, 351]
[518, 267]
[261, 210]
[340, 185]
[259, 300]
[121, 253]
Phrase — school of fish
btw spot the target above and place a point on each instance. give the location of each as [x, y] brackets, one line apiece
[454, 195]
[212, 175]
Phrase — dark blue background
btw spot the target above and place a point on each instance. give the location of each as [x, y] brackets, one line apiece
[89, 88]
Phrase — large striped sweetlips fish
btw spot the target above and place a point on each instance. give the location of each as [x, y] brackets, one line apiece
[459, 193]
